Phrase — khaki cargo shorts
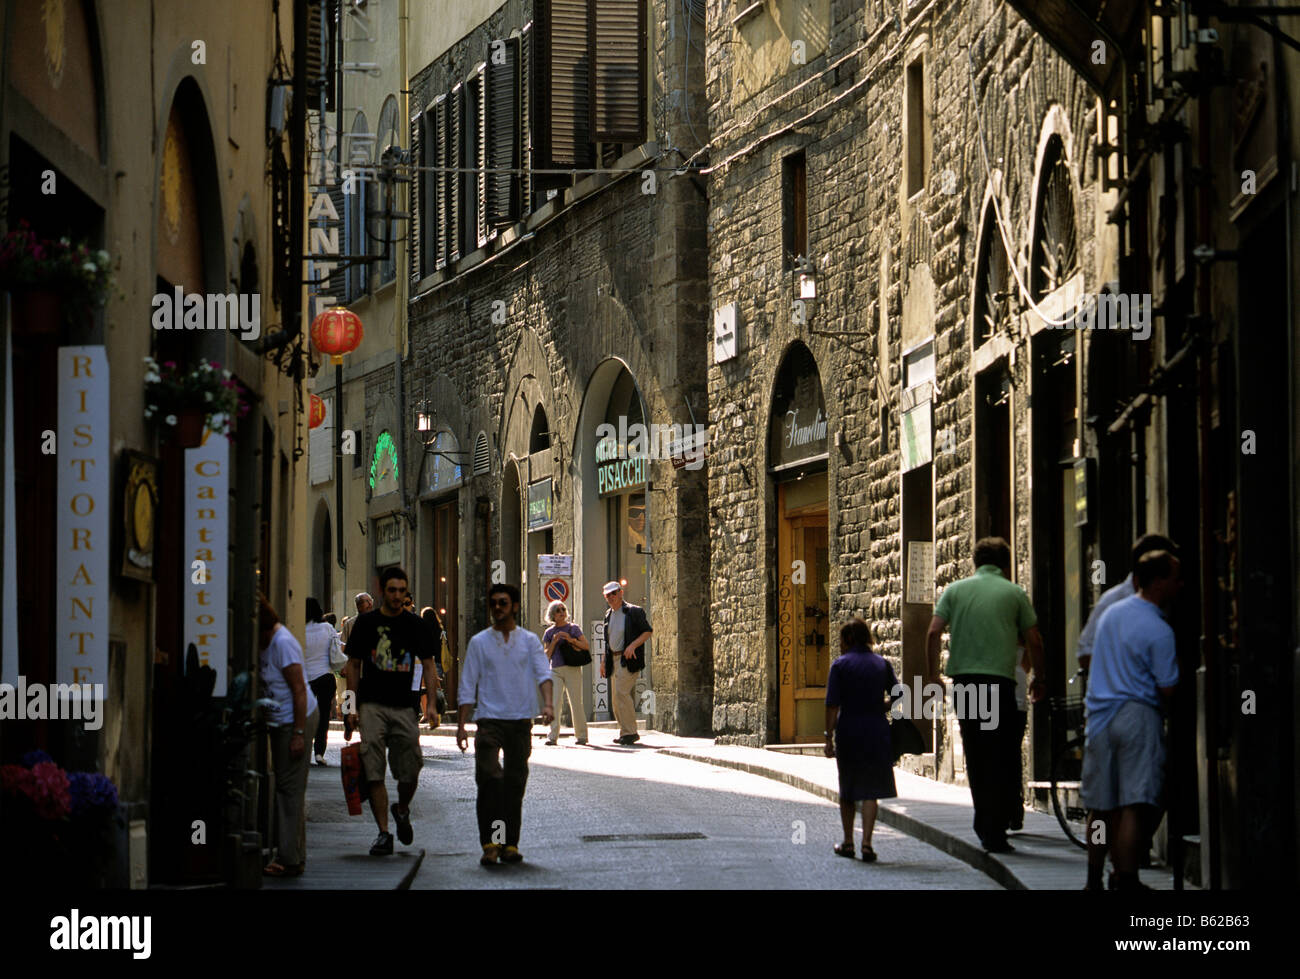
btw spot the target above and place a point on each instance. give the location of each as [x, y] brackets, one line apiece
[391, 730]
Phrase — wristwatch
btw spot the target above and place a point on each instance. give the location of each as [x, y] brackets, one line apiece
[299, 730]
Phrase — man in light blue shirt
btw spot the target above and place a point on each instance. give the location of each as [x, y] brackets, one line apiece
[1135, 666]
[504, 667]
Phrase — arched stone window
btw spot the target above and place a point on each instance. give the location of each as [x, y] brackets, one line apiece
[1056, 238]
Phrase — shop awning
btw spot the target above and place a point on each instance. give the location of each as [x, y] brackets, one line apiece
[1072, 28]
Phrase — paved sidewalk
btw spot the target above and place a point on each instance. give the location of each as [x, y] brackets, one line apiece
[935, 812]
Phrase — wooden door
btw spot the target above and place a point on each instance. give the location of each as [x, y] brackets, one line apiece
[803, 621]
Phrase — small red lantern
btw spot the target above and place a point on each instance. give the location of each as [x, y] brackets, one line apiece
[317, 412]
[336, 331]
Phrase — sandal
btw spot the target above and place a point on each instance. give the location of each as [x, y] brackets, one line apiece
[868, 854]
[845, 850]
[274, 869]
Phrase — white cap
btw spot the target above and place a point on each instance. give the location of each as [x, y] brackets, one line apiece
[611, 587]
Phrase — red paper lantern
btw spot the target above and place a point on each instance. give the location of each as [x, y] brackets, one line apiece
[336, 331]
[317, 412]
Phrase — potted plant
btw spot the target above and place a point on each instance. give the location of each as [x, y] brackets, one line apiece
[59, 826]
[51, 281]
[188, 399]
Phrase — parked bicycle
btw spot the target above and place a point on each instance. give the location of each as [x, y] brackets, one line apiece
[1066, 716]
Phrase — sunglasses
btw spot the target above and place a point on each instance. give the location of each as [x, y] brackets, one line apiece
[500, 603]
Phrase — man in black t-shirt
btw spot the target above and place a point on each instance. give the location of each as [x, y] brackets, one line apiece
[390, 641]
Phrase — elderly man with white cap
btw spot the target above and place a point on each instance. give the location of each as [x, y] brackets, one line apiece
[626, 632]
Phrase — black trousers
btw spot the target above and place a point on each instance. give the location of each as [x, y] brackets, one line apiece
[323, 687]
[992, 751]
[501, 787]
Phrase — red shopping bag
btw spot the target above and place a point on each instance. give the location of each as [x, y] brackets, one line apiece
[352, 777]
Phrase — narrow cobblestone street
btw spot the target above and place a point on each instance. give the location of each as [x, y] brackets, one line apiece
[606, 817]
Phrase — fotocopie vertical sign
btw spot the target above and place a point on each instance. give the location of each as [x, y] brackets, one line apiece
[207, 503]
[84, 505]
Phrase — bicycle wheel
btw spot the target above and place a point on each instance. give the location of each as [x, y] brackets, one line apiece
[1066, 802]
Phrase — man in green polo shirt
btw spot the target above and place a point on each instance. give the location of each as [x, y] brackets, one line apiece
[988, 618]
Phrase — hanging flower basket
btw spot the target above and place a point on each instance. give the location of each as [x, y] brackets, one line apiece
[51, 282]
[185, 400]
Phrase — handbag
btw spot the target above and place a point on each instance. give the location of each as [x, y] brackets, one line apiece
[573, 656]
[904, 738]
[350, 769]
[338, 658]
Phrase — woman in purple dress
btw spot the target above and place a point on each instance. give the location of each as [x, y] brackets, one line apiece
[859, 693]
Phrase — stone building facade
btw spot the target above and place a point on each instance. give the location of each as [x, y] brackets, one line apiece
[872, 166]
[584, 306]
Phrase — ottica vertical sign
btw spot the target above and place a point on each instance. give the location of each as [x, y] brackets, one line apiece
[207, 539]
[82, 524]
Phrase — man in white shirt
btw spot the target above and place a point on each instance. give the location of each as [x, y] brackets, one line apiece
[504, 667]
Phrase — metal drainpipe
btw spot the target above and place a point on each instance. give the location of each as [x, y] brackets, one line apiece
[1209, 652]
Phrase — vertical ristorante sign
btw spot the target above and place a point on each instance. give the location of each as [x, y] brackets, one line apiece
[207, 561]
[84, 509]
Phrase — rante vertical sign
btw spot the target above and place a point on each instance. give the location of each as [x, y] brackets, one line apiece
[84, 512]
[207, 560]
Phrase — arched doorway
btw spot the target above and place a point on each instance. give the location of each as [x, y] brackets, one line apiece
[323, 559]
[797, 453]
[613, 532]
[511, 524]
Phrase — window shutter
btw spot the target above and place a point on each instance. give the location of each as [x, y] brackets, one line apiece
[340, 281]
[455, 158]
[441, 180]
[479, 108]
[562, 110]
[616, 54]
[428, 180]
[502, 194]
[482, 457]
[525, 133]
[416, 225]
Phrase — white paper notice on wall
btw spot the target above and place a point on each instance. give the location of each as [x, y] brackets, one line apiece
[555, 564]
[726, 332]
[207, 540]
[920, 572]
[84, 510]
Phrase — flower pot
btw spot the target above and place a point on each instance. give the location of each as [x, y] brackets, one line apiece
[189, 429]
[37, 312]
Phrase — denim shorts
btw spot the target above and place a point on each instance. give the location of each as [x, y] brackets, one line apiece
[1124, 764]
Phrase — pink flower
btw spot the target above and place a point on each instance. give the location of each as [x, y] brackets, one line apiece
[15, 780]
[49, 791]
[170, 363]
